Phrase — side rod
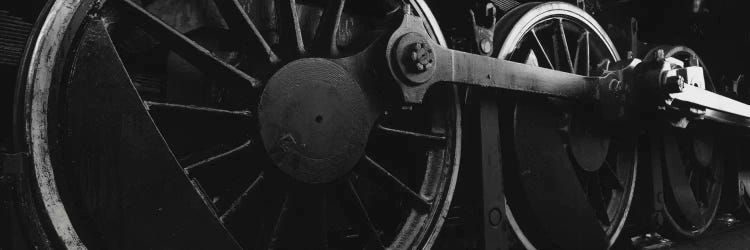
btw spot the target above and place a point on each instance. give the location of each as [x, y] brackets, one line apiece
[418, 62]
[483, 71]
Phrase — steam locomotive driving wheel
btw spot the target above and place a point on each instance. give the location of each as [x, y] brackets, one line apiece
[231, 124]
[564, 164]
[693, 160]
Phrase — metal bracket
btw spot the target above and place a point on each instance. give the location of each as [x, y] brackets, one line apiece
[483, 35]
[633, 37]
[12, 164]
[493, 196]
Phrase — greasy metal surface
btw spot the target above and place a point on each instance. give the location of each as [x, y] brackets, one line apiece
[314, 120]
[141, 197]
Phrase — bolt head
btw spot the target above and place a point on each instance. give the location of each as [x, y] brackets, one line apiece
[660, 55]
[674, 84]
[486, 46]
[495, 217]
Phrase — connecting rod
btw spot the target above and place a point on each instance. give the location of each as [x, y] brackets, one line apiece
[417, 63]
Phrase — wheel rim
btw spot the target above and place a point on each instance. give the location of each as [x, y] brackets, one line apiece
[347, 210]
[693, 165]
[605, 177]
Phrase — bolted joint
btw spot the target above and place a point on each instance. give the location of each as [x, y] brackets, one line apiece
[618, 87]
[660, 56]
[413, 58]
[674, 84]
[421, 57]
[486, 46]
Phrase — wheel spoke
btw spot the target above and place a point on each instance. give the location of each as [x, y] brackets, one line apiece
[556, 51]
[597, 199]
[364, 216]
[428, 137]
[419, 201]
[198, 109]
[302, 222]
[325, 35]
[609, 177]
[187, 48]
[239, 201]
[544, 52]
[588, 54]
[579, 44]
[241, 24]
[113, 138]
[565, 45]
[218, 157]
[290, 37]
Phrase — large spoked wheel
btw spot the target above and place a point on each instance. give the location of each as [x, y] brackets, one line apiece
[569, 175]
[227, 124]
[693, 172]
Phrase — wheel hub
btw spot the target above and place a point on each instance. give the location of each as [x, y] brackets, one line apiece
[313, 120]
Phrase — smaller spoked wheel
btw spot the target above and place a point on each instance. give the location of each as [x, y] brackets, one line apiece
[567, 171]
[693, 163]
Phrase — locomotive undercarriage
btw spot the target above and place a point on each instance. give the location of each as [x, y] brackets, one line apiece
[344, 125]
